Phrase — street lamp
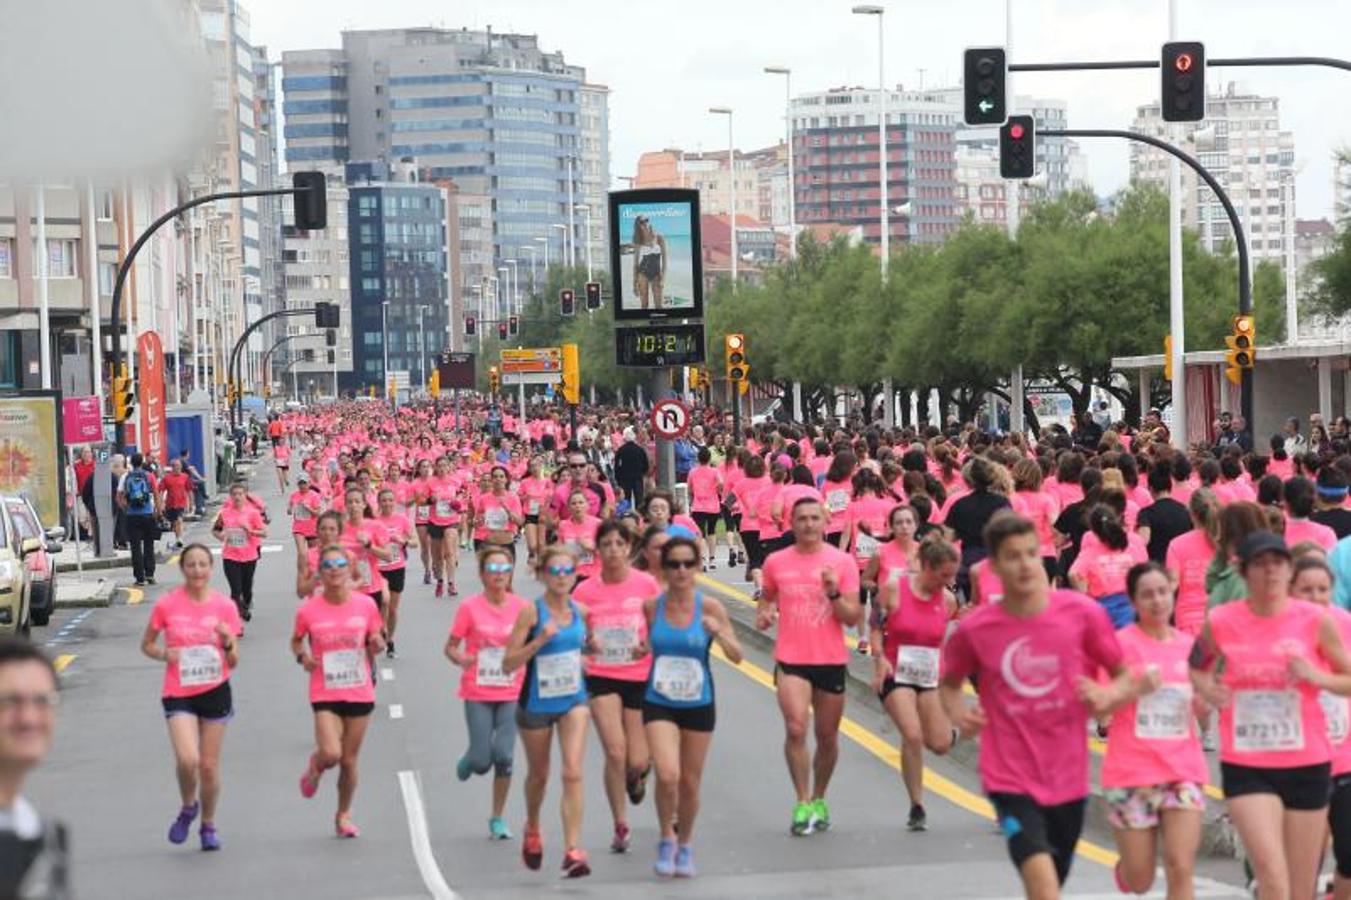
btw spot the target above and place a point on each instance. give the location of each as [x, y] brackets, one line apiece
[503, 311]
[422, 340]
[885, 194]
[787, 74]
[583, 208]
[532, 251]
[563, 253]
[545, 242]
[570, 236]
[384, 341]
[514, 295]
[731, 167]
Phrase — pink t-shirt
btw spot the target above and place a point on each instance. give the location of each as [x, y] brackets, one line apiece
[535, 495]
[305, 509]
[892, 563]
[571, 534]
[190, 627]
[790, 494]
[1104, 569]
[1299, 530]
[615, 617]
[1153, 740]
[367, 572]
[1282, 722]
[870, 511]
[764, 506]
[748, 497]
[1337, 710]
[1189, 555]
[396, 530]
[239, 544]
[494, 513]
[337, 635]
[809, 634]
[705, 484]
[1042, 509]
[838, 495]
[1027, 667]
[485, 628]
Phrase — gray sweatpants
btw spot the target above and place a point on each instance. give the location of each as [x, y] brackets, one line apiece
[492, 735]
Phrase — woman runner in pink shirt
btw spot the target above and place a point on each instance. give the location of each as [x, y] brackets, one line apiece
[401, 536]
[1154, 772]
[1275, 756]
[239, 527]
[865, 529]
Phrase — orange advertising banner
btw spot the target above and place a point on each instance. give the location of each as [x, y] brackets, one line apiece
[154, 430]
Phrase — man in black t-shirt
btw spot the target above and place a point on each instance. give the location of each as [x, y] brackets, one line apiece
[1331, 493]
[1165, 518]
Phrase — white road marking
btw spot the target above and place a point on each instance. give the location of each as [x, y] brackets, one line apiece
[422, 845]
[386, 674]
[396, 710]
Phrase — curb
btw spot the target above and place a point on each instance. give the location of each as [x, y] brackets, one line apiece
[1218, 838]
[103, 597]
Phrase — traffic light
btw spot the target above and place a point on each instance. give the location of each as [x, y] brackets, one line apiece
[434, 383]
[692, 377]
[571, 388]
[311, 200]
[593, 295]
[734, 347]
[124, 396]
[1242, 352]
[513, 325]
[331, 358]
[494, 379]
[469, 326]
[985, 73]
[1184, 81]
[1017, 148]
[1167, 357]
[330, 338]
[501, 331]
[567, 301]
[326, 315]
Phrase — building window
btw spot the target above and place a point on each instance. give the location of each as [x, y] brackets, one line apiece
[61, 256]
[107, 278]
[6, 258]
[103, 206]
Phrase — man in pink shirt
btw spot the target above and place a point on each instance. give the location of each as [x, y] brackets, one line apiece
[1035, 656]
[811, 590]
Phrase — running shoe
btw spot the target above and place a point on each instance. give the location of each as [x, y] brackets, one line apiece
[820, 815]
[440, 587]
[575, 864]
[862, 647]
[802, 820]
[309, 782]
[345, 827]
[620, 842]
[389, 651]
[918, 820]
[210, 839]
[463, 769]
[731, 558]
[664, 865]
[532, 849]
[451, 590]
[712, 565]
[150, 579]
[498, 829]
[178, 832]
[426, 576]
[684, 862]
[636, 785]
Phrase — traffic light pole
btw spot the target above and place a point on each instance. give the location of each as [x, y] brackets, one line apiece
[239, 346]
[115, 331]
[1240, 239]
[1237, 62]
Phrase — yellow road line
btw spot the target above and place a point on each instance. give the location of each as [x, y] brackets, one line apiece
[890, 756]
[134, 596]
[63, 661]
[172, 561]
[1095, 745]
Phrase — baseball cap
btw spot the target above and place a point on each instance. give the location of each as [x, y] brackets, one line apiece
[302, 477]
[1259, 542]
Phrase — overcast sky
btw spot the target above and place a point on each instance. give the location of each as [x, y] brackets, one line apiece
[667, 63]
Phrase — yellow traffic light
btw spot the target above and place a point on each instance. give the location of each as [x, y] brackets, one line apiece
[734, 349]
[1242, 352]
[571, 388]
[494, 380]
[434, 383]
[1168, 357]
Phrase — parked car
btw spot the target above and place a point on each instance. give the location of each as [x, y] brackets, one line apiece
[41, 562]
[14, 577]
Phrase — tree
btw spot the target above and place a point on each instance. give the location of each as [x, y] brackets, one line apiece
[1330, 293]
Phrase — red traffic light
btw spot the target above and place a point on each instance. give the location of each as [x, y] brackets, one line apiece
[1016, 132]
[1183, 62]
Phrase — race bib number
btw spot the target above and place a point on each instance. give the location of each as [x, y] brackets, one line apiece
[865, 547]
[198, 665]
[236, 537]
[558, 674]
[532, 508]
[423, 510]
[917, 666]
[584, 557]
[678, 678]
[496, 519]
[363, 571]
[615, 645]
[1266, 721]
[302, 513]
[488, 672]
[396, 551]
[344, 669]
[443, 509]
[1337, 714]
[1164, 714]
[837, 500]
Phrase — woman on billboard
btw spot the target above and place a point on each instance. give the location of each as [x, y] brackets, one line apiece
[649, 263]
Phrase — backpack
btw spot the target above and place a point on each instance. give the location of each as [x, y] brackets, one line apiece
[138, 489]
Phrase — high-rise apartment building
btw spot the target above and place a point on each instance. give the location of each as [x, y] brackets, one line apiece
[1241, 143]
[318, 270]
[761, 180]
[837, 162]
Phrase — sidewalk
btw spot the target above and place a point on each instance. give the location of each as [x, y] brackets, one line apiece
[66, 560]
[1217, 839]
[78, 593]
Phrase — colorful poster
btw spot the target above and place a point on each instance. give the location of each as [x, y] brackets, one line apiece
[32, 455]
[81, 420]
[655, 254]
[154, 420]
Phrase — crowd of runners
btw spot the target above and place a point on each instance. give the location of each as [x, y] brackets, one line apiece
[1187, 608]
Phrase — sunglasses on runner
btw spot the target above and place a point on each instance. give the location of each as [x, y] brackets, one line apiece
[497, 568]
[562, 570]
[337, 562]
[674, 564]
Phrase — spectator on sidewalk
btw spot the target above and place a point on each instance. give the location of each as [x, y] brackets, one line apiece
[175, 488]
[118, 466]
[631, 467]
[198, 484]
[138, 496]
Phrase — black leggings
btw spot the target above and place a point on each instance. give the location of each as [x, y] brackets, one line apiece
[240, 576]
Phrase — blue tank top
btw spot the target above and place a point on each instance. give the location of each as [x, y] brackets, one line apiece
[553, 680]
[680, 676]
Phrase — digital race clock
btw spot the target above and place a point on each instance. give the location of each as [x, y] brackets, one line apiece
[654, 346]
